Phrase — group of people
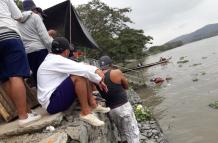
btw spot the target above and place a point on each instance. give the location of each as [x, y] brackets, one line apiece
[27, 45]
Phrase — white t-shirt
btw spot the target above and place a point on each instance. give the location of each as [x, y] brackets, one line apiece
[54, 70]
[8, 12]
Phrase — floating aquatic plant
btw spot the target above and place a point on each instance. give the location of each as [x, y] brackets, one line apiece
[214, 105]
[142, 113]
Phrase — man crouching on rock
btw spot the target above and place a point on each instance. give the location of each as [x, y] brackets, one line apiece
[121, 113]
[61, 80]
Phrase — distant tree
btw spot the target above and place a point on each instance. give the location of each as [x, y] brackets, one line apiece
[109, 28]
[131, 43]
[167, 46]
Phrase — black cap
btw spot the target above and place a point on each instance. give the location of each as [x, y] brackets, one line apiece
[59, 44]
[104, 62]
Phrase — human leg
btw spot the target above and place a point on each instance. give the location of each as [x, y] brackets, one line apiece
[15, 67]
[82, 94]
[35, 59]
[125, 121]
[92, 100]
[130, 125]
[16, 90]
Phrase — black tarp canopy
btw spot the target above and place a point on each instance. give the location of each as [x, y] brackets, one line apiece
[64, 18]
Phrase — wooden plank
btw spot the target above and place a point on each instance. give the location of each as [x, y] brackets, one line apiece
[4, 113]
[7, 108]
[31, 96]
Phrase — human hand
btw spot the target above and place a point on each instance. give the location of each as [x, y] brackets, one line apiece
[100, 73]
[103, 86]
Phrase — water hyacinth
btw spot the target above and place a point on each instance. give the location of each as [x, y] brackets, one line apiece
[142, 113]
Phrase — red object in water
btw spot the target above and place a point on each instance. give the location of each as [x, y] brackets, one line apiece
[157, 80]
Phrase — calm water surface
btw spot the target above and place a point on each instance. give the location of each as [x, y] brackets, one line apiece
[184, 113]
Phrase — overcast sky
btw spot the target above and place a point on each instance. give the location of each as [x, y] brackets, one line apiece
[161, 19]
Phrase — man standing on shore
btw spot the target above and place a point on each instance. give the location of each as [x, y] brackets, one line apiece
[122, 113]
[13, 61]
[34, 34]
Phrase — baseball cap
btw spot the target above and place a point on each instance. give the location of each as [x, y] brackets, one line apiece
[30, 5]
[59, 44]
[104, 62]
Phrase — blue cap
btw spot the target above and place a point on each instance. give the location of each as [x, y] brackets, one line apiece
[105, 62]
[28, 5]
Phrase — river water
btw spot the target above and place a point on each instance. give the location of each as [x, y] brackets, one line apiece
[184, 113]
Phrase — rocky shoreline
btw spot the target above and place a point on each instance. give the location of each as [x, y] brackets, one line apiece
[69, 129]
[150, 131]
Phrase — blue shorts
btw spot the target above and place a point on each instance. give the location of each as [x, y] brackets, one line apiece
[35, 59]
[63, 97]
[13, 60]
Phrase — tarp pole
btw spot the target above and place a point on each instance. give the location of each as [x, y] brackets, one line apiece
[70, 20]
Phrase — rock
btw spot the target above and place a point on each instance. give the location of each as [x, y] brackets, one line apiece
[9, 129]
[56, 138]
[150, 141]
[152, 122]
[146, 127]
[78, 133]
[155, 131]
[142, 137]
[153, 126]
[149, 135]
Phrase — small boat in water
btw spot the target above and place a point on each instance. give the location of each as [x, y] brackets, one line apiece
[140, 66]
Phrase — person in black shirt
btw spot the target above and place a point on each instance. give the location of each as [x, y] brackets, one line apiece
[121, 112]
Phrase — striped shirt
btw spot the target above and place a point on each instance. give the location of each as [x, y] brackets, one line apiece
[9, 35]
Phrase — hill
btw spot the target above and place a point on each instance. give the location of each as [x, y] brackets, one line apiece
[207, 31]
[202, 33]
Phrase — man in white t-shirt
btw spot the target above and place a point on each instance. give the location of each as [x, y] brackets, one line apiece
[61, 80]
[13, 61]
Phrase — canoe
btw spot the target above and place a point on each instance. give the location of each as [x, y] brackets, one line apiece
[147, 65]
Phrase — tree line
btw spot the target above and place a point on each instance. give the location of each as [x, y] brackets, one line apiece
[109, 28]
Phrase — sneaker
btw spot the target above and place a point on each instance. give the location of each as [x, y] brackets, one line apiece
[92, 119]
[101, 109]
[31, 117]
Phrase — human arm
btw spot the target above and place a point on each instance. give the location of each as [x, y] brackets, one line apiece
[15, 11]
[42, 31]
[101, 84]
[61, 64]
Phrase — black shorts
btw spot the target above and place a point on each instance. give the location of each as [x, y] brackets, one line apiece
[13, 60]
